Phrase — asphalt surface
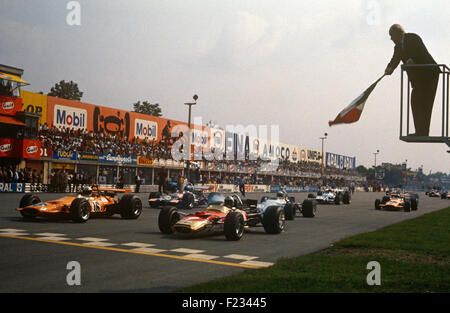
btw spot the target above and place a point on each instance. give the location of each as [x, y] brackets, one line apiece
[118, 255]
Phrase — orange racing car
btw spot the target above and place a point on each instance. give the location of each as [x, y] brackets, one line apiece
[398, 201]
[90, 202]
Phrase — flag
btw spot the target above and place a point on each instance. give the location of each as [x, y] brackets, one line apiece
[353, 111]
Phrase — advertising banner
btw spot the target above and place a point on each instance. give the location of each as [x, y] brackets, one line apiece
[64, 155]
[35, 103]
[12, 187]
[87, 156]
[288, 189]
[340, 161]
[46, 153]
[10, 105]
[31, 149]
[117, 159]
[145, 161]
[8, 147]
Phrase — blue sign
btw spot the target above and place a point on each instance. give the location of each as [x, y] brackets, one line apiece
[117, 159]
[340, 161]
[64, 155]
[288, 189]
[12, 187]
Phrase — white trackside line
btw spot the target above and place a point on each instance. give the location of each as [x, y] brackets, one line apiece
[257, 263]
[92, 239]
[240, 257]
[190, 251]
[137, 244]
[201, 256]
[100, 244]
[149, 250]
[50, 234]
[12, 230]
[54, 238]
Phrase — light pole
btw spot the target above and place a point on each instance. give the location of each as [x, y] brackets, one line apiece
[323, 159]
[190, 104]
[375, 154]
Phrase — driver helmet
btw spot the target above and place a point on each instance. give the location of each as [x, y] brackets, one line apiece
[189, 187]
[280, 194]
[87, 191]
[229, 202]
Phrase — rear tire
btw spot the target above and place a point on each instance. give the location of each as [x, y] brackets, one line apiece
[274, 220]
[414, 204]
[80, 210]
[233, 227]
[309, 208]
[167, 218]
[130, 207]
[338, 199]
[347, 198]
[407, 206]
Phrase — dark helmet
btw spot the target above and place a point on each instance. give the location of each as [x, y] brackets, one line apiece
[87, 191]
[280, 194]
[229, 202]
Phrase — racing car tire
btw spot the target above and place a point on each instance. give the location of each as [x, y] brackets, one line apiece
[289, 211]
[347, 198]
[309, 208]
[187, 202]
[274, 220]
[80, 210]
[407, 206]
[233, 227]
[168, 216]
[444, 195]
[377, 204]
[414, 204]
[338, 199]
[130, 207]
[27, 200]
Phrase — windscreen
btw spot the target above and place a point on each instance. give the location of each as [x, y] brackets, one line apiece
[216, 198]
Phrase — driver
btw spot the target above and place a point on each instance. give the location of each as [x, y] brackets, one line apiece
[87, 191]
[229, 202]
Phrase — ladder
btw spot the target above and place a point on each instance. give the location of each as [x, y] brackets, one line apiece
[407, 136]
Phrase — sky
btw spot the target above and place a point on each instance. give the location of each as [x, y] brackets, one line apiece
[291, 63]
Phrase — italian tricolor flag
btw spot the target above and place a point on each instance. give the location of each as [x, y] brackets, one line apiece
[353, 111]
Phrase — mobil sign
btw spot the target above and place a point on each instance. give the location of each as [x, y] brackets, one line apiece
[145, 129]
[71, 117]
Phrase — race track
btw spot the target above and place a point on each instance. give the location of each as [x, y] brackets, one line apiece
[133, 256]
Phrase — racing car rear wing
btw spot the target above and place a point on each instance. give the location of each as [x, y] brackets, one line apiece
[444, 138]
[111, 189]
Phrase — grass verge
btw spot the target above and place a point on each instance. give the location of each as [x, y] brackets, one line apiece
[414, 256]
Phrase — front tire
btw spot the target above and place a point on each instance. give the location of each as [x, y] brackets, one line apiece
[27, 200]
[377, 204]
[347, 198]
[167, 218]
[80, 210]
[274, 220]
[233, 227]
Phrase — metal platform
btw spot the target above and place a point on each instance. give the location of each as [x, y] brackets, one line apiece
[406, 135]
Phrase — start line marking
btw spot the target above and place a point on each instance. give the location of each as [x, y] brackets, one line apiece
[143, 251]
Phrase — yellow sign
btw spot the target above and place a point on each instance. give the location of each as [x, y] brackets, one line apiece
[145, 161]
[35, 103]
